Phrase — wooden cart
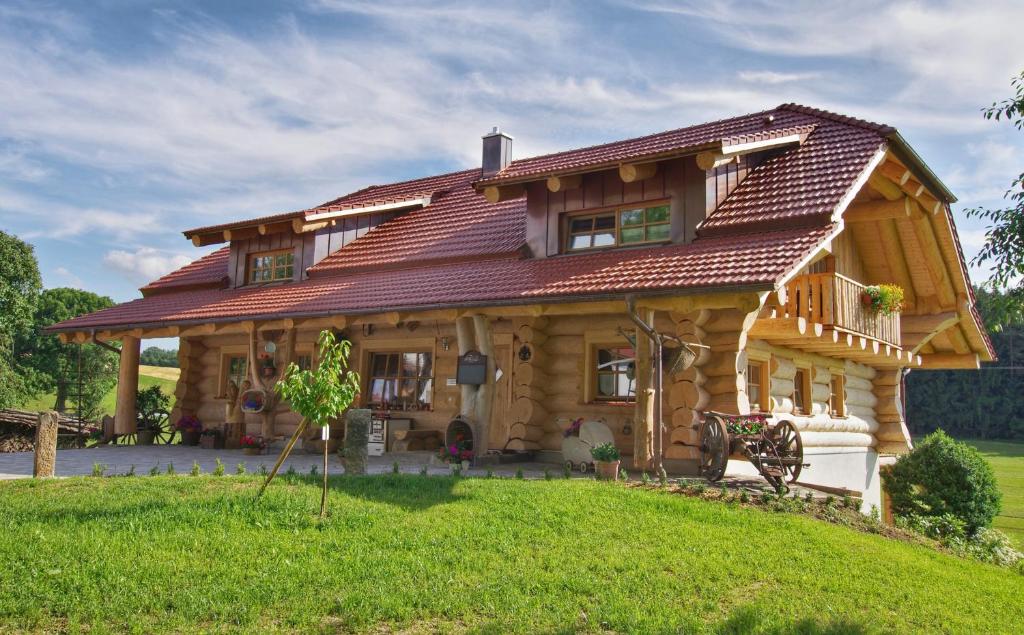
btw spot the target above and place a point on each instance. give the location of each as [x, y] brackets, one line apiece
[775, 450]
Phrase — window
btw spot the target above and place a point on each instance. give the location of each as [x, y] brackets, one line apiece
[801, 391]
[629, 226]
[615, 374]
[400, 381]
[304, 361]
[235, 369]
[271, 266]
[837, 396]
[757, 386]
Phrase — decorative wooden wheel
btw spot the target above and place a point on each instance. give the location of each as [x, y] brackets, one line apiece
[714, 447]
[790, 449]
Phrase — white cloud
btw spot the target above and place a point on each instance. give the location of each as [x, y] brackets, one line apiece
[70, 279]
[145, 264]
[775, 77]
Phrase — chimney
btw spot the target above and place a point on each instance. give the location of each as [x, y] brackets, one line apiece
[497, 152]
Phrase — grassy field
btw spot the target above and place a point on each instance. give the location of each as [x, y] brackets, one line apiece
[181, 554]
[166, 378]
[1007, 459]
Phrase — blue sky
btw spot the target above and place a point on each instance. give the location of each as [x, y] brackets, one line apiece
[124, 122]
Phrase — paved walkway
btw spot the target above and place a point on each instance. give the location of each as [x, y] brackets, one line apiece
[120, 460]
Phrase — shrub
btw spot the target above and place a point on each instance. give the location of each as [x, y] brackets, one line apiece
[940, 477]
[218, 468]
[240, 469]
[606, 453]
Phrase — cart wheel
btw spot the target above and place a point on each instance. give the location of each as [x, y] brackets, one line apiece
[714, 448]
[569, 466]
[583, 467]
[165, 431]
[791, 450]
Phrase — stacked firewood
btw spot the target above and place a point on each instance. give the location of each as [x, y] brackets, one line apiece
[18, 430]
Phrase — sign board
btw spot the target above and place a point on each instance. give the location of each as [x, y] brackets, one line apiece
[472, 369]
[378, 435]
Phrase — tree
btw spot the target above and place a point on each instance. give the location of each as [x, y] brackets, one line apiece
[43, 357]
[154, 356]
[19, 291]
[319, 395]
[1004, 236]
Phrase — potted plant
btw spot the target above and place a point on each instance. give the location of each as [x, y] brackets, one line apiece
[457, 456]
[252, 445]
[190, 428]
[211, 439]
[151, 414]
[606, 459]
[883, 298]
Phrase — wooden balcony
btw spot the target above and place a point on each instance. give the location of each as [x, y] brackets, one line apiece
[823, 313]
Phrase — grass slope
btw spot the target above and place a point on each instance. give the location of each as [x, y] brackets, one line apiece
[166, 378]
[179, 554]
[1007, 459]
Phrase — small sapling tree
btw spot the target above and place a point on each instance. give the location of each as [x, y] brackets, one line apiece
[319, 395]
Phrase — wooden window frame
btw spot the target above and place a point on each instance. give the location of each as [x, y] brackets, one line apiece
[804, 406]
[391, 346]
[840, 411]
[592, 341]
[273, 253]
[226, 354]
[616, 211]
[763, 367]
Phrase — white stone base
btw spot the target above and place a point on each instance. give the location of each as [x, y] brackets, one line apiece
[848, 468]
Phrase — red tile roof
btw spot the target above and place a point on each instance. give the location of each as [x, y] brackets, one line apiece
[209, 271]
[459, 224]
[249, 222]
[801, 185]
[745, 261]
[687, 140]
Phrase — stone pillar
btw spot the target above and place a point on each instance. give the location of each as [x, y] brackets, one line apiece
[127, 386]
[357, 436]
[45, 462]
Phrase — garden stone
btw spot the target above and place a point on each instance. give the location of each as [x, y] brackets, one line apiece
[45, 463]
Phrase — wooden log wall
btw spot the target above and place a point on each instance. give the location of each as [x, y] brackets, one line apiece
[187, 396]
[527, 415]
[892, 434]
[686, 391]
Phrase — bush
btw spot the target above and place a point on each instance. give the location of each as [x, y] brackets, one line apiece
[941, 477]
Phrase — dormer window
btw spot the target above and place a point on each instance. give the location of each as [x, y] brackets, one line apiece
[618, 227]
[271, 266]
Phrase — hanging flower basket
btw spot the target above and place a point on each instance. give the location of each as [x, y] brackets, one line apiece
[882, 298]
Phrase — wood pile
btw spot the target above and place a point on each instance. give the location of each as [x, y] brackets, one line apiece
[18, 430]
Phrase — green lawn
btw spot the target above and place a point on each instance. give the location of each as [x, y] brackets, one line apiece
[166, 378]
[1007, 459]
[180, 554]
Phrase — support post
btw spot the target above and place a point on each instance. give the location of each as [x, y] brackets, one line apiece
[44, 463]
[485, 392]
[464, 336]
[647, 392]
[127, 386]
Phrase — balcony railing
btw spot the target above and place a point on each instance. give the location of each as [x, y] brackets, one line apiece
[834, 301]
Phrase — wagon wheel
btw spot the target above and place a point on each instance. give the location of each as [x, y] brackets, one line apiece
[164, 429]
[765, 457]
[714, 447]
[791, 450]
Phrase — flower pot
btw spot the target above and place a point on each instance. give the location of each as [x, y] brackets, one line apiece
[250, 451]
[465, 466]
[209, 442]
[607, 470]
[190, 437]
[455, 468]
[145, 437]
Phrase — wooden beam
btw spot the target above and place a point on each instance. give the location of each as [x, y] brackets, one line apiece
[202, 240]
[913, 188]
[930, 203]
[928, 323]
[243, 233]
[127, 386]
[300, 226]
[499, 193]
[633, 172]
[274, 228]
[896, 259]
[933, 260]
[938, 361]
[874, 211]
[894, 172]
[562, 183]
[711, 160]
[885, 187]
